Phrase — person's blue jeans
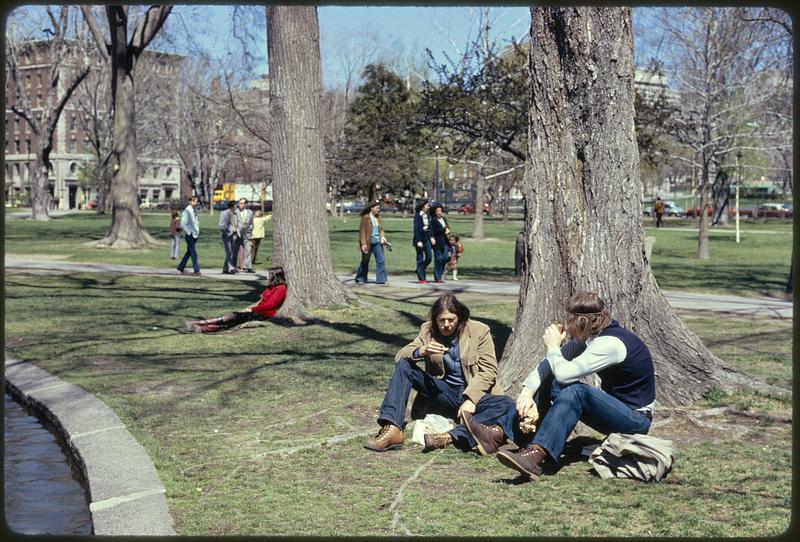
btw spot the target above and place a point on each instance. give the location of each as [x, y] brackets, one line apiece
[443, 397]
[423, 258]
[229, 244]
[560, 409]
[492, 410]
[380, 264]
[441, 255]
[190, 251]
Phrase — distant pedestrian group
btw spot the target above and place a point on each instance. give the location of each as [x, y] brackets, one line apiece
[432, 239]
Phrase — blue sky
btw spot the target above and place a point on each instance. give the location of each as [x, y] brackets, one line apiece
[399, 32]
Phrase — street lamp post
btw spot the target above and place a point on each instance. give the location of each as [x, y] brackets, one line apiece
[436, 177]
[738, 181]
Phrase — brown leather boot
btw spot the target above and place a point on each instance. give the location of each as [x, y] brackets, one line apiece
[205, 328]
[435, 441]
[390, 437]
[527, 461]
[489, 438]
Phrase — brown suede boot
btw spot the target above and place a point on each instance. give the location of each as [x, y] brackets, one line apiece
[205, 328]
[489, 438]
[390, 437]
[435, 441]
[527, 461]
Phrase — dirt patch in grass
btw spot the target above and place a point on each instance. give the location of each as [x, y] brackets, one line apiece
[19, 342]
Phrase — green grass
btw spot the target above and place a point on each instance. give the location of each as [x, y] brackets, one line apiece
[758, 265]
[215, 411]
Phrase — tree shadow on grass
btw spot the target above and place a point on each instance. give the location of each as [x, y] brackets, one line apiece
[739, 277]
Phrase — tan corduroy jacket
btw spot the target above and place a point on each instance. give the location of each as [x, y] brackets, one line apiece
[478, 360]
[365, 231]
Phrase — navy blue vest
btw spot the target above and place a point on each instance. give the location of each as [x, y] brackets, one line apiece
[634, 380]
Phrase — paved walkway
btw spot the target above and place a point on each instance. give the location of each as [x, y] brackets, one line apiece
[750, 306]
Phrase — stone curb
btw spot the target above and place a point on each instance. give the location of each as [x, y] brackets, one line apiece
[125, 493]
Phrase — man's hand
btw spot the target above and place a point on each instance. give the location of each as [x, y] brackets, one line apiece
[433, 347]
[433, 241]
[419, 244]
[466, 406]
[383, 240]
[553, 336]
[525, 403]
[364, 249]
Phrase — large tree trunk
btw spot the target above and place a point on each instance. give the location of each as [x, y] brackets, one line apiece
[126, 230]
[583, 227]
[39, 184]
[300, 242]
[702, 234]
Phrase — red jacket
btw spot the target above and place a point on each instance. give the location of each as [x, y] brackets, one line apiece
[271, 300]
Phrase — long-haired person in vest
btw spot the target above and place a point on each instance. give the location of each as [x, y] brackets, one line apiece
[598, 345]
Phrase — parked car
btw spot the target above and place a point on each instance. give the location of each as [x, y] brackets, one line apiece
[469, 208]
[670, 209]
[775, 210]
[744, 212]
[353, 208]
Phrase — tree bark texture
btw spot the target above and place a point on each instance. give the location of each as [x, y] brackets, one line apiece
[583, 227]
[300, 242]
[126, 230]
[480, 188]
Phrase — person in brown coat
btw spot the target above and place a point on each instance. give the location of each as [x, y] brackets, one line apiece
[460, 369]
[371, 240]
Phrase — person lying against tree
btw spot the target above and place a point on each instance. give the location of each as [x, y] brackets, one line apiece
[623, 404]
[266, 307]
[460, 368]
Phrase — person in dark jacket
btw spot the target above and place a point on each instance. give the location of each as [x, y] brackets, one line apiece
[440, 231]
[422, 241]
[553, 394]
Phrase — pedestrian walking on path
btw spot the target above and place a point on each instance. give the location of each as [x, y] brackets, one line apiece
[227, 231]
[371, 240]
[191, 227]
[422, 240]
[244, 235]
[259, 231]
[440, 231]
[175, 234]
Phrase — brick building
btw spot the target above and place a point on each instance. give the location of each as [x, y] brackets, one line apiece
[160, 176]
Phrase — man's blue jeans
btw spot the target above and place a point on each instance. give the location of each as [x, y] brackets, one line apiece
[560, 408]
[442, 396]
[423, 258]
[190, 251]
[441, 255]
[380, 264]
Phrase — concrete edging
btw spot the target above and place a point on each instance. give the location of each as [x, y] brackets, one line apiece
[125, 493]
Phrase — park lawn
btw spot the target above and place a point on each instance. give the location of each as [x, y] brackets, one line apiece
[260, 432]
[759, 265]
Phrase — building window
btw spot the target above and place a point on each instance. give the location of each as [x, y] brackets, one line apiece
[39, 101]
[72, 121]
[16, 171]
[155, 172]
[28, 145]
[73, 168]
[73, 145]
[16, 146]
[167, 193]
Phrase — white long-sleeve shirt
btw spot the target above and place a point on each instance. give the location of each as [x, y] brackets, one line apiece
[601, 352]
